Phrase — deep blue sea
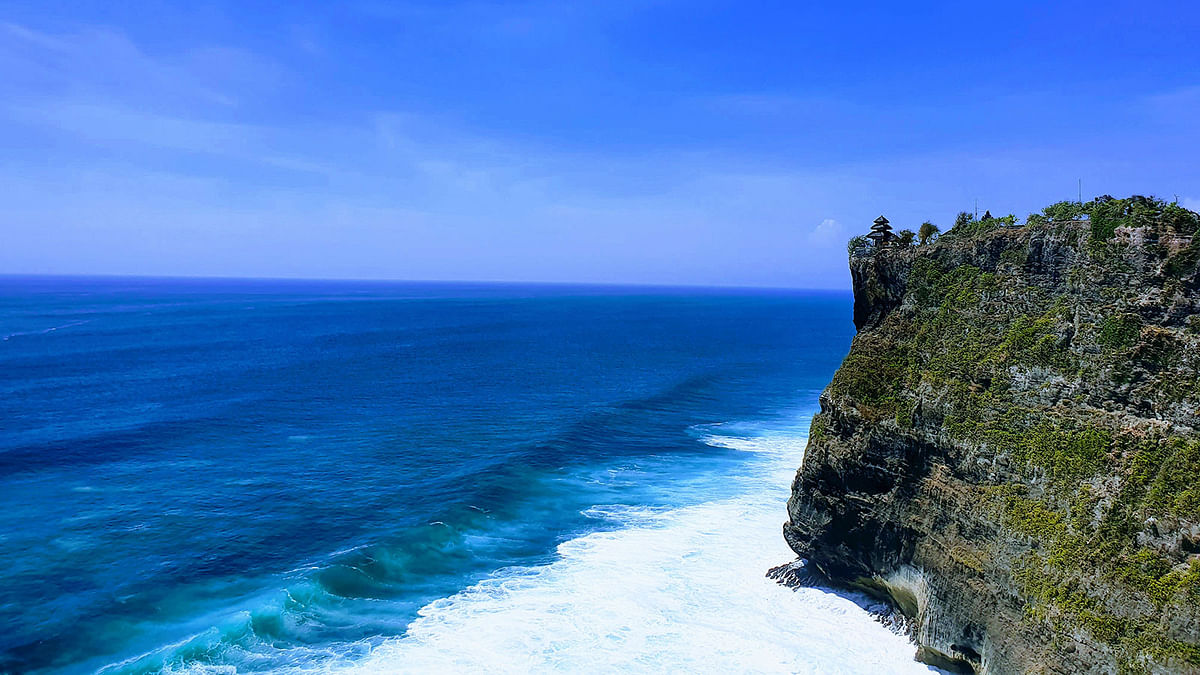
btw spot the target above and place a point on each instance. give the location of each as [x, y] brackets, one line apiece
[286, 476]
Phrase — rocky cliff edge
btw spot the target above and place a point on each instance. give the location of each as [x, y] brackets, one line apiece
[1010, 452]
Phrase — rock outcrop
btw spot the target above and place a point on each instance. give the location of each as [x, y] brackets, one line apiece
[1010, 452]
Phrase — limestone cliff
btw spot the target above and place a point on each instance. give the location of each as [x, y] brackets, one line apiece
[1010, 452]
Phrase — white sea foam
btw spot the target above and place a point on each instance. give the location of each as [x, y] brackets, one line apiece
[44, 331]
[680, 590]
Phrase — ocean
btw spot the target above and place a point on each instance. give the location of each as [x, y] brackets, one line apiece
[237, 476]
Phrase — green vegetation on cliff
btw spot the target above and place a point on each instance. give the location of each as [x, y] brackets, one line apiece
[1051, 368]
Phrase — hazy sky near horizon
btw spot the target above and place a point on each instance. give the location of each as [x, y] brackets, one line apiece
[699, 142]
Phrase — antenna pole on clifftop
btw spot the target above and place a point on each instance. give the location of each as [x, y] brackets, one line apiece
[1080, 190]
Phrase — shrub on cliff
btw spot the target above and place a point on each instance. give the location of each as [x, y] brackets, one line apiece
[966, 224]
[857, 243]
[1184, 262]
[1181, 220]
[1064, 211]
[1108, 214]
[1118, 331]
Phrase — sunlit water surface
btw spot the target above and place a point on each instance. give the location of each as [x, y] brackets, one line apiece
[246, 476]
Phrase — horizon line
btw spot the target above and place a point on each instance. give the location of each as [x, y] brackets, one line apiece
[492, 282]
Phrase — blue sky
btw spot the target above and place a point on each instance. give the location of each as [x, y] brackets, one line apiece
[700, 142]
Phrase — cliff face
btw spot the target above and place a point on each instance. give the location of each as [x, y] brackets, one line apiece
[1010, 452]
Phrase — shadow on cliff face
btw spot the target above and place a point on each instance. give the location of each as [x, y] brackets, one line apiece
[798, 574]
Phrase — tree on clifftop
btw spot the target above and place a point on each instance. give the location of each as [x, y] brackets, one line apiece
[927, 232]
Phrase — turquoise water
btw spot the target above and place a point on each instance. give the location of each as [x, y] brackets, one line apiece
[244, 476]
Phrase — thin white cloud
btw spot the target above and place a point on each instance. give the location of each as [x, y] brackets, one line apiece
[170, 179]
[828, 231]
[102, 64]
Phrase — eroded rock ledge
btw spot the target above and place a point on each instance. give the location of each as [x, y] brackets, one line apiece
[1010, 453]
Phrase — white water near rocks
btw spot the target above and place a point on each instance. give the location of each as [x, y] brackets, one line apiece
[676, 590]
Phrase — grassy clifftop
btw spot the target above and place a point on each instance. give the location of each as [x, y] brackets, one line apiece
[1012, 441]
